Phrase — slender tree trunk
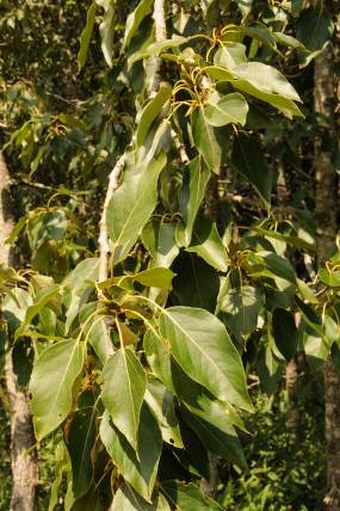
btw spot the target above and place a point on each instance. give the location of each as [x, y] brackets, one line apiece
[23, 456]
[326, 209]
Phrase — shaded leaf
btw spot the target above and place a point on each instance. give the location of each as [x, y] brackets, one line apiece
[206, 243]
[159, 239]
[134, 19]
[285, 332]
[86, 34]
[151, 111]
[80, 441]
[80, 283]
[248, 159]
[107, 29]
[196, 283]
[314, 28]
[190, 198]
[242, 307]
[140, 469]
[161, 402]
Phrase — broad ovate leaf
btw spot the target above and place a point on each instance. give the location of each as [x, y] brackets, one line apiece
[201, 345]
[131, 206]
[53, 377]
[123, 392]
[229, 109]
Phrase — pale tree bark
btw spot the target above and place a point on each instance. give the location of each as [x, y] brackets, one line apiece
[327, 208]
[23, 456]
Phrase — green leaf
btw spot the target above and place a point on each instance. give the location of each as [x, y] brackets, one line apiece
[85, 36]
[131, 206]
[230, 55]
[285, 333]
[80, 283]
[134, 19]
[123, 392]
[314, 28]
[196, 283]
[215, 430]
[242, 307]
[190, 198]
[248, 158]
[106, 29]
[155, 277]
[187, 497]
[98, 337]
[42, 298]
[138, 469]
[329, 277]
[80, 441]
[266, 78]
[159, 239]
[256, 87]
[52, 381]
[161, 402]
[155, 49]
[126, 499]
[205, 140]
[206, 243]
[232, 108]
[202, 347]
[151, 111]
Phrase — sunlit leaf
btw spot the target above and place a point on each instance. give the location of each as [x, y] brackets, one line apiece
[202, 347]
[131, 206]
[205, 140]
[232, 108]
[123, 392]
[52, 381]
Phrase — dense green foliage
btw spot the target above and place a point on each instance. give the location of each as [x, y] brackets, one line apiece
[138, 374]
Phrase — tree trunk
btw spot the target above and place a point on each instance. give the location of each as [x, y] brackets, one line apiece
[23, 455]
[327, 204]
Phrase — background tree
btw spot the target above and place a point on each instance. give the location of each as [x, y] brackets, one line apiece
[205, 262]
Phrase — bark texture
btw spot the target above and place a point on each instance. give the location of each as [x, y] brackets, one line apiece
[327, 208]
[23, 456]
